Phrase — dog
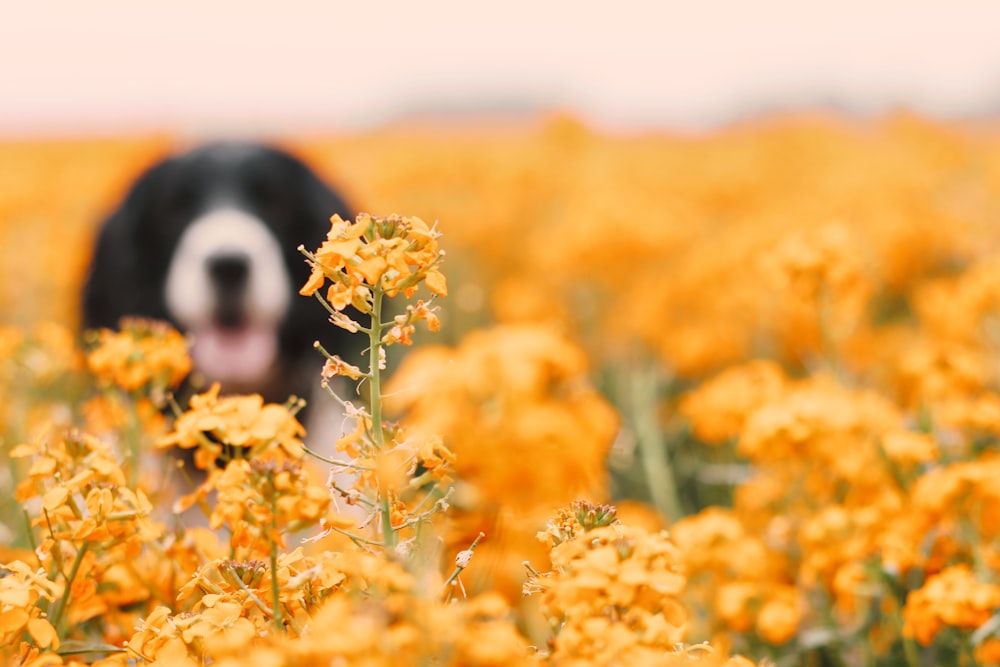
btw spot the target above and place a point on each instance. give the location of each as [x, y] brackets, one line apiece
[207, 241]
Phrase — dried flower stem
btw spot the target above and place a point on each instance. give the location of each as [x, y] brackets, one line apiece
[459, 566]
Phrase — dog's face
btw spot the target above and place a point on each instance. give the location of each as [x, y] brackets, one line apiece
[207, 240]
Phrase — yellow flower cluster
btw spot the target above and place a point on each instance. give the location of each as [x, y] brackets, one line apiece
[394, 254]
[142, 353]
[93, 529]
[259, 501]
[614, 592]
[844, 500]
[951, 598]
[250, 427]
[746, 582]
[398, 477]
[515, 406]
[21, 590]
[348, 607]
[505, 396]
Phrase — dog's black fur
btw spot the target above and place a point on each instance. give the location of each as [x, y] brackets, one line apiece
[140, 241]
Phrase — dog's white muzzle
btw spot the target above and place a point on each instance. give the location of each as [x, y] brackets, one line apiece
[228, 286]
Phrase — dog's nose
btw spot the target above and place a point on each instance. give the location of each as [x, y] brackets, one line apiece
[229, 271]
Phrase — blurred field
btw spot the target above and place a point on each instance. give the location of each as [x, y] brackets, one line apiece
[655, 237]
[809, 240]
[795, 321]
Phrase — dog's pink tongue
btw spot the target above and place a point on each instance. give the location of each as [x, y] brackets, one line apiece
[234, 355]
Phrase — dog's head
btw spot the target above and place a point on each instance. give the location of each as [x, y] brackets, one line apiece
[207, 241]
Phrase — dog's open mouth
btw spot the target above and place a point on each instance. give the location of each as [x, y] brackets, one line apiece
[240, 354]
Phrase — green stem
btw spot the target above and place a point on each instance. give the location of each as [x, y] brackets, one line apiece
[75, 648]
[375, 399]
[374, 372]
[357, 539]
[655, 463]
[910, 652]
[56, 552]
[253, 596]
[278, 622]
[344, 404]
[29, 531]
[57, 613]
[334, 462]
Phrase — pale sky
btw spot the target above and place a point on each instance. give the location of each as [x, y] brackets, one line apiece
[216, 67]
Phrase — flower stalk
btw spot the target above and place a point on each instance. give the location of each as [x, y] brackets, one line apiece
[57, 613]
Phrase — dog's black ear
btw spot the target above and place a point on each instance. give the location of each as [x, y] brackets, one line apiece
[114, 285]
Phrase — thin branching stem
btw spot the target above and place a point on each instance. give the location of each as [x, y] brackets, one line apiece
[333, 462]
[57, 613]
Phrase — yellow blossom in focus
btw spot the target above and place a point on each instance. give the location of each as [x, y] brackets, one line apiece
[395, 253]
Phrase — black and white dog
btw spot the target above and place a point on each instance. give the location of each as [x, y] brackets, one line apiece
[207, 240]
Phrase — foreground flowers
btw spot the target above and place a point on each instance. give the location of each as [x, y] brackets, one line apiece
[112, 579]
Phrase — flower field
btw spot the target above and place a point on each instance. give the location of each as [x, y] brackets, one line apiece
[726, 400]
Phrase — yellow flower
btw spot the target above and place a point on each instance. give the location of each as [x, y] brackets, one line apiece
[262, 501]
[394, 253]
[719, 408]
[220, 625]
[909, 448]
[613, 590]
[245, 422]
[336, 366]
[516, 408]
[21, 590]
[780, 615]
[953, 598]
[143, 352]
